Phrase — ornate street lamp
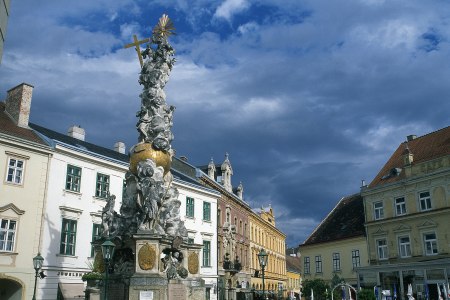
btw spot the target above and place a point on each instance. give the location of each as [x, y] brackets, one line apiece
[37, 264]
[262, 258]
[108, 252]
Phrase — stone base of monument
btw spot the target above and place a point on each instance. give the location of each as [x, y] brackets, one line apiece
[151, 267]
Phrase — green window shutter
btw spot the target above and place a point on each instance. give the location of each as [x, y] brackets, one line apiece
[206, 211]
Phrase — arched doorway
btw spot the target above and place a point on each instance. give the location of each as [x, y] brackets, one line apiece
[10, 289]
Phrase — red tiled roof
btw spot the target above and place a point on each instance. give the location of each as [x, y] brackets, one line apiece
[346, 220]
[424, 148]
[7, 126]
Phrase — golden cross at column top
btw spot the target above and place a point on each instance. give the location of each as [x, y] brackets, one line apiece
[136, 44]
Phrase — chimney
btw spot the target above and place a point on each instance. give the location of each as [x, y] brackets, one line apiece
[411, 137]
[18, 103]
[119, 147]
[76, 132]
[184, 158]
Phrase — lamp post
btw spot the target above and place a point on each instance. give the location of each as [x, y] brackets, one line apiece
[108, 252]
[37, 264]
[262, 258]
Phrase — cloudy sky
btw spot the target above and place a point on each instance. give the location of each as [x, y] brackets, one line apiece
[307, 96]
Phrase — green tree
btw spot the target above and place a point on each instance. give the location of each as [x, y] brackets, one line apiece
[318, 286]
[366, 294]
[337, 293]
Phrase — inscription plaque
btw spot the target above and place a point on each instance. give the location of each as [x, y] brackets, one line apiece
[146, 295]
[176, 291]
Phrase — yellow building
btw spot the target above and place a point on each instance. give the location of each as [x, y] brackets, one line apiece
[265, 235]
[294, 278]
[407, 211]
[337, 246]
[24, 161]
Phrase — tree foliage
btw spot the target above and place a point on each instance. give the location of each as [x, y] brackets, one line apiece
[318, 286]
[366, 294]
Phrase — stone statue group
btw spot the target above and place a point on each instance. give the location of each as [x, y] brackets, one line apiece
[150, 203]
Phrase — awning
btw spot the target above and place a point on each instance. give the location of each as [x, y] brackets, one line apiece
[72, 291]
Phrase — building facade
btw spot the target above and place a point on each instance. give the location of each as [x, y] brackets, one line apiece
[232, 230]
[198, 211]
[81, 176]
[24, 161]
[407, 213]
[265, 235]
[294, 277]
[337, 247]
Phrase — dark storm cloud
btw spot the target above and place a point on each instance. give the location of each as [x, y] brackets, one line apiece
[308, 97]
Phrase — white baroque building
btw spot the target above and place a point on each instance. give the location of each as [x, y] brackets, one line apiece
[80, 175]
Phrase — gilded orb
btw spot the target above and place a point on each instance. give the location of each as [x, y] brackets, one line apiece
[145, 151]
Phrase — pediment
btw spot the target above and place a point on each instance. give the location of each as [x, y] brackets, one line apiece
[12, 207]
[380, 231]
[427, 224]
[402, 227]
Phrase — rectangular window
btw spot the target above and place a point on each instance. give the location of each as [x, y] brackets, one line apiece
[404, 246]
[319, 264]
[95, 235]
[425, 201]
[336, 262]
[189, 207]
[102, 186]
[378, 210]
[400, 206]
[206, 211]
[382, 249]
[190, 240]
[306, 265]
[68, 237]
[206, 253]
[7, 235]
[356, 262]
[15, 171]
[73, 178]
[430, 243]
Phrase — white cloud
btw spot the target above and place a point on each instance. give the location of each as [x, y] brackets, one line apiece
[228, 8]
[128, 29]
[392, 34]
[248, 28]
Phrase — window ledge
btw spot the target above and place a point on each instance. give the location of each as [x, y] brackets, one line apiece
[66, 255]
[5, 253]
[13, 183]
[99, 198]
[72, 192]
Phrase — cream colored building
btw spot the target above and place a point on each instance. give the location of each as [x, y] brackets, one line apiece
[24, 161]
[407, 211]
[265, 235]
[338, 245]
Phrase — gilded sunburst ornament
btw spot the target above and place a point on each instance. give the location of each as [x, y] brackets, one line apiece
[164, 28]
